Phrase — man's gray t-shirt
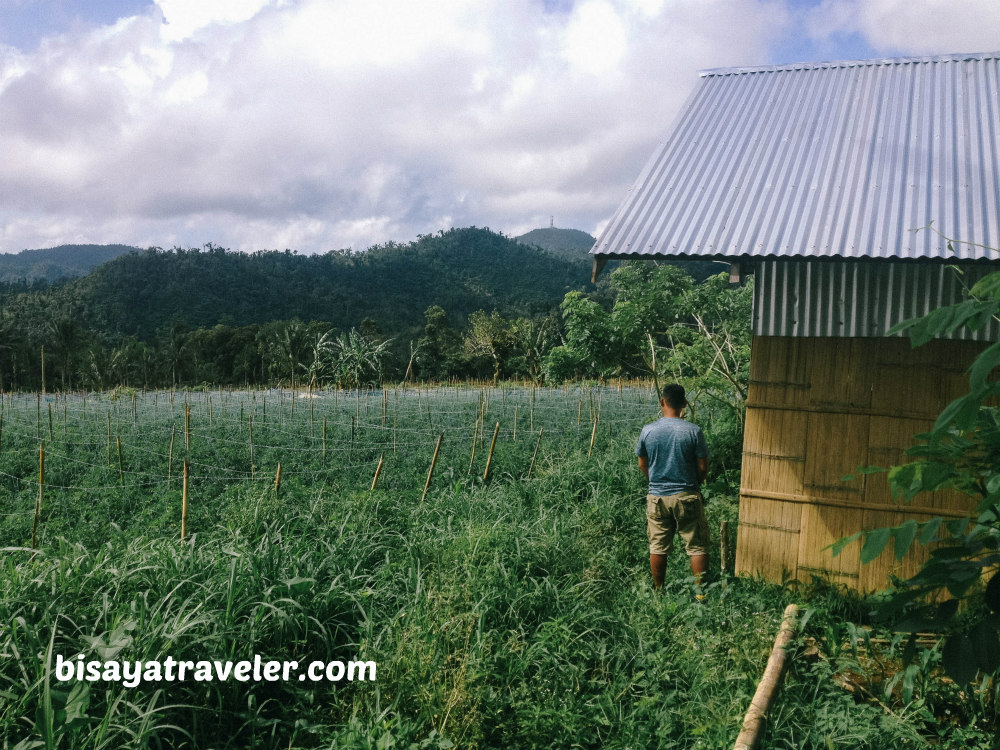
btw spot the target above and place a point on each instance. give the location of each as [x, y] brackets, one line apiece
[672, 447]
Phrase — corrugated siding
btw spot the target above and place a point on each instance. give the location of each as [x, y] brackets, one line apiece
[855, 298]
[829, 160]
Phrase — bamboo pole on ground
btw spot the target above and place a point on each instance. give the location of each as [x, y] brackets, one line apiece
[489, 458]
[753, 723]
[41, 485]
[184, 501]
[430, 471]
[378, 470]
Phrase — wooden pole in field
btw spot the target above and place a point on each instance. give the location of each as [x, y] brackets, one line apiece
[51, 435]
[1, 432]
[121, 467]
[531, 411]
[475, 438]
[187, 429]
[532, 464]
[593, 436]
[277, 479]
[109, 437]
[41, 485]
[753, 723]
[515, 423]
[378, 470]
[38, 416]
[170, 455]
[184, 501]
[489, 458]
[430, 471]
[251, 448]
[324, 439]
[43, 370]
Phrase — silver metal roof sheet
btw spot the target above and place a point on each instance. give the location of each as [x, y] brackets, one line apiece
[825, 160]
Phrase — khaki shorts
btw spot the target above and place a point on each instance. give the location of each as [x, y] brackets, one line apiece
[682, 514]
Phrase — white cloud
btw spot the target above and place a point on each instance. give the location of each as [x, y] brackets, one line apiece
[321, 124]
[916, 28]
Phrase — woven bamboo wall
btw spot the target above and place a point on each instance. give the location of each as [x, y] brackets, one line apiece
[817, 409]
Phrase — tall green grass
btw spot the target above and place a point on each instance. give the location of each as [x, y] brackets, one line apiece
[514, 613]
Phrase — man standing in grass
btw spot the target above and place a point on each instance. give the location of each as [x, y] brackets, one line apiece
[674, 457]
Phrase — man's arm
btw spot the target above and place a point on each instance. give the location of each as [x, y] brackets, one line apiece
[644, 465]
[702, 469]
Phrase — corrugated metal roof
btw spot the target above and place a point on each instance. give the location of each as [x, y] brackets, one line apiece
[854, 298]
[842, 159]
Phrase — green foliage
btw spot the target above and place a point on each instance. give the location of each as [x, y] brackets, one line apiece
[514, 613]
[961, 452]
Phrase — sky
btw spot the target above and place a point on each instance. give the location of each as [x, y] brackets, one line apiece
[317, 125]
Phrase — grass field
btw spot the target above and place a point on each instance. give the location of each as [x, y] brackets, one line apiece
[514, 611]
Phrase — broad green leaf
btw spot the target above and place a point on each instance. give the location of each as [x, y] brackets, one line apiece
[930, 530]
[839, 545]
[946, 610]
[958, 657]
[992, 595]
[986, 361]
[905, 535]
[987, 647]
[988, 286]
[875, 542]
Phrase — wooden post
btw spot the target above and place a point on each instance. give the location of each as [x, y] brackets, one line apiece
[187, 429]
[531, 411]
[109, 437]
[38, 417]
[41, 485]
[593, 436]
[324, 439]
[515, 423]
[753, 723]
[532, 464]
[378, 470]
[184, 501]
[430, 471]
[43, 370]
[277, 479]
[121, 467]
[251, 448]
[489, 458]
[51, 434]
[475, 438]
[170, 455]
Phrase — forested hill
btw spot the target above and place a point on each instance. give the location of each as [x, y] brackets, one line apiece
[54, 263]
[145, 293]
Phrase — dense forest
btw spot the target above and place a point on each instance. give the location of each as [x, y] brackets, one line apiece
[463, 303]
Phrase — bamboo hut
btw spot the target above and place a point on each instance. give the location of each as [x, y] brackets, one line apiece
[834, 185]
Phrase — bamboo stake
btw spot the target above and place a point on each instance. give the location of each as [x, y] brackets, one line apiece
[109, 437]
[593, 436]
[1, 433]
[251, 448]
[41, 485]
[430, 471]
[515, 423]
[121, 467]
[489, 458]
[753, 723]
[531, 414]
[187, 429]
[378, 470]
[532, 464]
[277, 479]
[51, 436]
[475, 438]
[184, 501]
[324, 439]
[43, 370]
[170, 454]
[38, 416]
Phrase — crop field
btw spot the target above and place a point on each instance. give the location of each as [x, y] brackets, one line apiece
[508, 608]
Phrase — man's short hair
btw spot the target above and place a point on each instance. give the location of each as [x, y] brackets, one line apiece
[674, 395]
